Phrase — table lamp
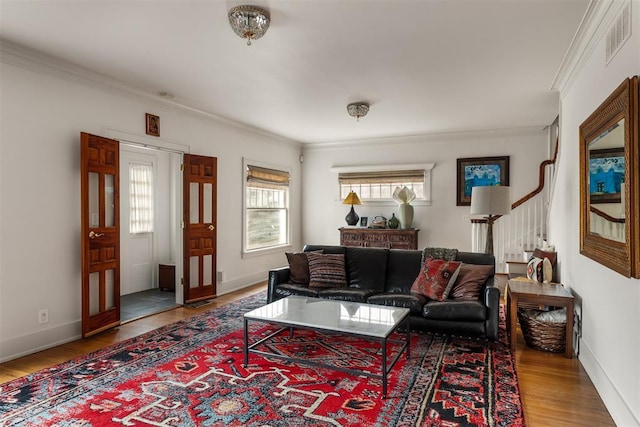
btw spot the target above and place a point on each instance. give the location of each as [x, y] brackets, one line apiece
[492, 201]
[352, 199]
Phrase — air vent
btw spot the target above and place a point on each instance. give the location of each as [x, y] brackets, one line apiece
[619, 32]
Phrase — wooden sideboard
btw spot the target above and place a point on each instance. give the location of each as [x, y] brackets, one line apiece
[379, 238]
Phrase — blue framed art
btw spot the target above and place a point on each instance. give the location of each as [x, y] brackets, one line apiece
[606, 175]
[479, 172]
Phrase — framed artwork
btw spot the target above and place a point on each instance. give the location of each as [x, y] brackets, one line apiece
[606, 175]
[364, 221]
[478, 172]
[153, 125]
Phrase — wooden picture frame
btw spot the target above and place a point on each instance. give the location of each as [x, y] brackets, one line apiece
[606, 174]
[153, 124]
[479, 172]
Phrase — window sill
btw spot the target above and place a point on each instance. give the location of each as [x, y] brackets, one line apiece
[266, 251]
[388, 202]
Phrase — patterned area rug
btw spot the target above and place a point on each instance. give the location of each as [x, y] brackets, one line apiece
[190, 374]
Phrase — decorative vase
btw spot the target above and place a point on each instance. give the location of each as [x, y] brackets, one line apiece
[393, 221]
[405, 215]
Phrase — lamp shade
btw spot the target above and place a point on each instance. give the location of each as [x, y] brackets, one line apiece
[351, 199]
[490, 200]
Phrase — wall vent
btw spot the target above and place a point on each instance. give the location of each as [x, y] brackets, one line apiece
[619, 32]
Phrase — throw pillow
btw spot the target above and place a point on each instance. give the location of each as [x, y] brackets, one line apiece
[547, 271]
[439, 253]
[298, 267]
[470, 281]
[326, 270]
[534, 269]
[436, 278]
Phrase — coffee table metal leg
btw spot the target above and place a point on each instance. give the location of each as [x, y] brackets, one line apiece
[246, 343]
[384, 369]
[408, 336]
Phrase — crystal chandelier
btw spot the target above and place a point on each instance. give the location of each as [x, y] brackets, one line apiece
[358, 109]
[249, 22]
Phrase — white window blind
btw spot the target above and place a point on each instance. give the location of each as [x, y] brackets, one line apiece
[141, 198]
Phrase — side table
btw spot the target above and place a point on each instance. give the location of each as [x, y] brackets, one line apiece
[552, 294]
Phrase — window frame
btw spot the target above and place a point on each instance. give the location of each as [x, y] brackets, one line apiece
[245, 232]
[424, 201]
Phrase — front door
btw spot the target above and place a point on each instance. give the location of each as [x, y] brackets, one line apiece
[200, 220]
[100, 233]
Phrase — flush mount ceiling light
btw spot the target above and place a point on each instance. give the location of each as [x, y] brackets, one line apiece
[358, 109]
[249, 22]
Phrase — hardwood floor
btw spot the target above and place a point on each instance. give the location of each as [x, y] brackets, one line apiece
[555, 390]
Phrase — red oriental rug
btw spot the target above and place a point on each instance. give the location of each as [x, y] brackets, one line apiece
[190, 374]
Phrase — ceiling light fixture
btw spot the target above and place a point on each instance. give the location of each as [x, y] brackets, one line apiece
[358, 109]
[249, 22]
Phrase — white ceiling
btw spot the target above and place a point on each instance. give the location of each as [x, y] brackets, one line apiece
[425, 67]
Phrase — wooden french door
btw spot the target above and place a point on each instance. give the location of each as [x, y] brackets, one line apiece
[100, 233]
[200, 219]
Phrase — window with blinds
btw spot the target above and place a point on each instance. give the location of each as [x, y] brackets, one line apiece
[380, 185]
[140, 198]
[266, 207]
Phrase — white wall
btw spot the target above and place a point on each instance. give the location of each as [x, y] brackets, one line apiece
[442, 224]
[42, 112]
[609, 303]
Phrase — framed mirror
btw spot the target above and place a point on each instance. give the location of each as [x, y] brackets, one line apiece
[609, 211]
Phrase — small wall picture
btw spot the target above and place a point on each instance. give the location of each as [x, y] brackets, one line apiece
[364, 221]
[153, 125]
[479, 172]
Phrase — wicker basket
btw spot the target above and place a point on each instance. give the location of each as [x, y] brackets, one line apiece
[542, 335]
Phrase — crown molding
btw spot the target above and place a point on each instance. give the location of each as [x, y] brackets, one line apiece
[43, 63]
[597, 19]
[424, 138]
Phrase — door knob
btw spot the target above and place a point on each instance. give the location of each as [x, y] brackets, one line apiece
[211, 227]
[93, 235]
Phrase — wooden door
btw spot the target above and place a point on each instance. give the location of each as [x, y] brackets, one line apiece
[100, 233]
[200, 219]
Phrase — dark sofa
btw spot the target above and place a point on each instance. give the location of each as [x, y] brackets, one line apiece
[385, 276]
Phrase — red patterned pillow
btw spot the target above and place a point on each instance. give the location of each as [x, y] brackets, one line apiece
[326, 270]
[436, 278]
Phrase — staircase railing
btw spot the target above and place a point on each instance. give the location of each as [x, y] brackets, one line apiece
[525, 228]
[606, 225]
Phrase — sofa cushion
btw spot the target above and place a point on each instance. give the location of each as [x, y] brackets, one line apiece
[326, 270]
[346, 294]
[298, 267]
[402, 268]
[367, 267]
[470, 281]
[436, 278]
[455, 310]
[288, 289]
[413, 302]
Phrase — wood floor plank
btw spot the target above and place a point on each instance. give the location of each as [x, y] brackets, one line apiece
[555, 390]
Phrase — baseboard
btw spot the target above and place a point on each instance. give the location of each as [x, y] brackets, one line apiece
[238, 283]
[619, 410]
[32, 343]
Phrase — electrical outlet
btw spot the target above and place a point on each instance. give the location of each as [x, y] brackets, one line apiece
[43, 316]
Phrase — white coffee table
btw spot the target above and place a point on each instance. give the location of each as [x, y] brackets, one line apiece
[373, 322]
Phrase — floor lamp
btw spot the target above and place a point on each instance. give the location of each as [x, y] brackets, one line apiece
[492, 201]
